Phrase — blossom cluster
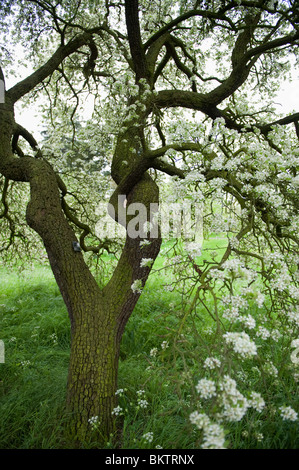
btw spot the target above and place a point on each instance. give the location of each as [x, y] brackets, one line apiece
[241, 343]
[213, 434]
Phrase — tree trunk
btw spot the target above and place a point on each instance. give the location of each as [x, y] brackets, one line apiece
[92, 378]
[98, 317]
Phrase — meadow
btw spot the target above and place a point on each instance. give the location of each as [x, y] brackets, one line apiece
[161, 359]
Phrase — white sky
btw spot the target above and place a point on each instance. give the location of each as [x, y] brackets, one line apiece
[288, 98]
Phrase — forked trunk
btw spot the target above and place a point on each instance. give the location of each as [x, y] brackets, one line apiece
[98, 317]
[92, 378]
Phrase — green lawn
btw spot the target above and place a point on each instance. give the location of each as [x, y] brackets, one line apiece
[36, 333]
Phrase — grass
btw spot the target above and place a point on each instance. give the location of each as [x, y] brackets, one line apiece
[36, 333]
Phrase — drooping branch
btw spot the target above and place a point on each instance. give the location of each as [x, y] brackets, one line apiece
[5, 215]
[86, 230]
[180, 65]
[25, 86]
[243, 59]
[88, 69]
[160, 132]
[3, 198]
[272, 45]
[162, 64]
[21, 131]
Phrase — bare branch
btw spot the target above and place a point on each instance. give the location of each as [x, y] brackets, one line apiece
[21, 131]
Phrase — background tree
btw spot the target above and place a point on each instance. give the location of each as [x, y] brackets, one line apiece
[142, 61]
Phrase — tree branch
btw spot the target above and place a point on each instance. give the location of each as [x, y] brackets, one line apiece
[152, 154]
[171, 49]
[191, 100]
[167, 168]
[162, 64]
[4, 215]
[189, 14]
[29, 83]
[21, 131]
[293, 118]
[134, 35]
[271, 45]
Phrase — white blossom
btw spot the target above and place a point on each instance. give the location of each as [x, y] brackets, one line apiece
[206, 388]
[233, 402]
[142, 403]
[212, 363]
[117, 411]
[256, 401]
[148, 437]
[146, 262]
[293, 316]
[94, 422]
[287, 413]
[214, 437]
[275, 335]
[153, 352]
[263, 332]
[200, 420]
[193, 249]
[259, 436]
[137, 286]
[270, 369]
[248, 321]
[295, 353]
[242, 344]
[234, 413]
